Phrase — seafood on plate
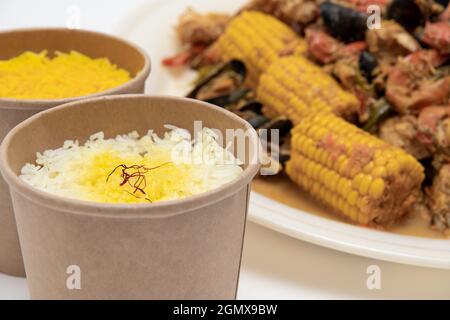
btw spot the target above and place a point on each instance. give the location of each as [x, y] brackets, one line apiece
[364, 112]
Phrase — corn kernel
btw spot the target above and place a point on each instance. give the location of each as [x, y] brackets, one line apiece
[354, 212]
[358, 180]
[379, 172]
[352, 197]
[315, 171]
[308, 168]
[369, 167]
[392, 168]
[345, 187]
[365, 184]
[334, 179]
[323, 173]
[343, 167]
[377, 188]
[338, 162]
[380, 161]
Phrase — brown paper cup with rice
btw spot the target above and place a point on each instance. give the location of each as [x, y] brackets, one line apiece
[14, 111]
[179, 249]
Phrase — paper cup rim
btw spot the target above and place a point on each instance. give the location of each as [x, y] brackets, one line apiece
[42, 104]
[160, 209]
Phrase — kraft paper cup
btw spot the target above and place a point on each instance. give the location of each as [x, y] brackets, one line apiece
[181, 249]
[13, 111]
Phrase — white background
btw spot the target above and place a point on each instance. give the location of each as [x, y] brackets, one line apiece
[274, 266]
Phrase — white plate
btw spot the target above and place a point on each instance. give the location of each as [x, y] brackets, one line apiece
[152, 28]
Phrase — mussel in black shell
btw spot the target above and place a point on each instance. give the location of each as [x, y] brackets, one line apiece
[223, 85]
[344, 23]
[367, 64]
[407, 13]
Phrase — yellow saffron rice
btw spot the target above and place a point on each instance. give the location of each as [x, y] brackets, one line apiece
[171, 167]
[37, 76]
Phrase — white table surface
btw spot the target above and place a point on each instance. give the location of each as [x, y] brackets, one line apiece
[274, 266]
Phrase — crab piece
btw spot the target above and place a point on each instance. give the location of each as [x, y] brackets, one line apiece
[437, 35]
[347, 71]
[196, 28]
[402, 132]
[439, 200]
[434, 126]
[390, 42]
[323, 47]
[347, 68]
[412, 83]
[291, 12]
[326, 49]
[197, 33]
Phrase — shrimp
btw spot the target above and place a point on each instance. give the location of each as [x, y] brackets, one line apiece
[411, 84]
[434, 128]
[437, 35]
[402, 132]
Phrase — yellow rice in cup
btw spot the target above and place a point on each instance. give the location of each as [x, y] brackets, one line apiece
[133, 169]
[66, 75]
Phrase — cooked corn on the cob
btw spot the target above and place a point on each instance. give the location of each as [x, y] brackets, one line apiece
[258, 39]
[295, 87]
[353, 172]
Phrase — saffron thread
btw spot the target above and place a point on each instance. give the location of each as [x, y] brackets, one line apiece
[135, 179]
